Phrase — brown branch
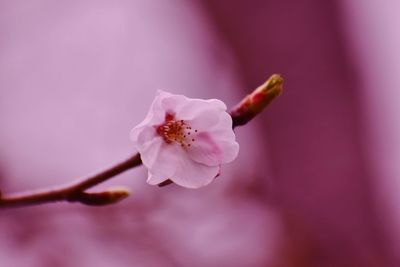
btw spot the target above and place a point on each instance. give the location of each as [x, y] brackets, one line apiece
[245, 111]
[75, 192]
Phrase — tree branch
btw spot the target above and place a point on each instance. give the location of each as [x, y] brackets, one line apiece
[245, 111]
[75, 192]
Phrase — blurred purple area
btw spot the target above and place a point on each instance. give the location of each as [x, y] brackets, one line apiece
[316, 183]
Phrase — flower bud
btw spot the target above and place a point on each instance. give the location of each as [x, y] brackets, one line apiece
[254, 103]
[110, 196]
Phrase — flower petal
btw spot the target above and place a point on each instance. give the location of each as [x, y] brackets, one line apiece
[211, 152]
[155, 115]
[216, 144]
[141, 135]
[194, 107]
[164, 164]
[172, 162]
[155, 180]
[192, 174]
[172, 103]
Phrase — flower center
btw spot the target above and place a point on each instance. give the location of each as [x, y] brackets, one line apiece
[177, 131]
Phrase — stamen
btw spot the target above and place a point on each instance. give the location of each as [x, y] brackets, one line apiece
[175, 131]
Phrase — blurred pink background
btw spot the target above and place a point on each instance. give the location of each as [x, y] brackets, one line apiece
[317, 179]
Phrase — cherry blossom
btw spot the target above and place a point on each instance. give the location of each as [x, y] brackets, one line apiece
[185, 140]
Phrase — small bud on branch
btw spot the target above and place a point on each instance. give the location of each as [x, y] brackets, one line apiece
[254, 103]
[110, 196]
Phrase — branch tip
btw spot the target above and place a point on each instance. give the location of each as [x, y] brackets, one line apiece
[255, 102]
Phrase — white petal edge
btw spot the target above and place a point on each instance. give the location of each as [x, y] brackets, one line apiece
[154, 180]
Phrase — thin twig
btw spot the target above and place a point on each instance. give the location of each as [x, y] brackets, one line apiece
[73, 192]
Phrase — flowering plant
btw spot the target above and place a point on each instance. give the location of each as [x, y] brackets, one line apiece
[185, 140]
[181, 140]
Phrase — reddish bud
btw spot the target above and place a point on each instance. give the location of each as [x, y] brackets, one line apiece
[254, 103]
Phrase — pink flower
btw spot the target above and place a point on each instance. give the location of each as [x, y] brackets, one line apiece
[185, 140]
